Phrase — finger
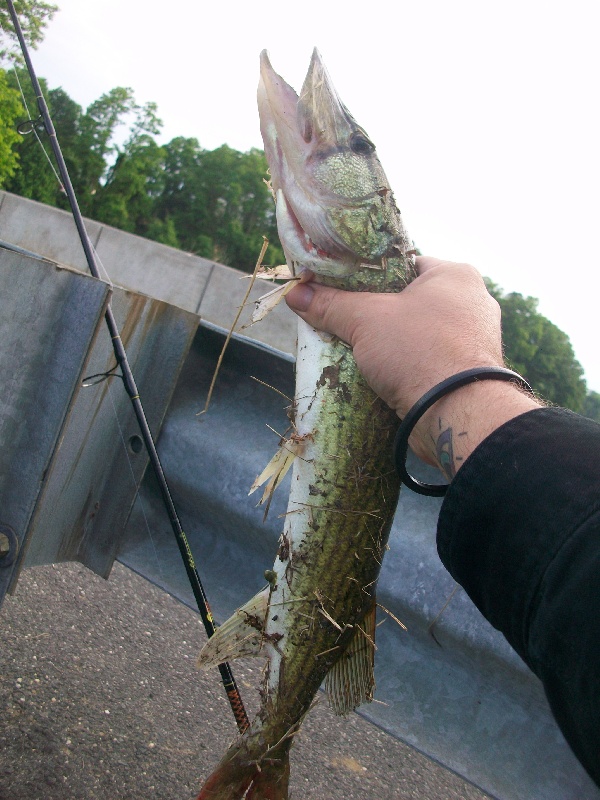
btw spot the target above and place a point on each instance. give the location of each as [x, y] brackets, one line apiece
[326, 309]
[305, 276]
[425, 263]
[300, 296]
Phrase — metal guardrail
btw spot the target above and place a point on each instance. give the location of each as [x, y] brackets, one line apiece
[71, 458]
[463, 697]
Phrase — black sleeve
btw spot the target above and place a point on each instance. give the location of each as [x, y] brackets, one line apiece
[519, 529]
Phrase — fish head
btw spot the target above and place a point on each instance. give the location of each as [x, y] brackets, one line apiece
[335, 209]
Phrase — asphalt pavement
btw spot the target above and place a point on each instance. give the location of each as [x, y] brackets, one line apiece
[101, 699]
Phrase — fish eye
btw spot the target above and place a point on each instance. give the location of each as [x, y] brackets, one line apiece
[359, 143]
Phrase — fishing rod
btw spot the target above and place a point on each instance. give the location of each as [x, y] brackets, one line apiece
[227, 678]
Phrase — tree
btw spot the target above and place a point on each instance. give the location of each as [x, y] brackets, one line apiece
[134, 183]
[238, 207]
[591, 406]
[183, 200]
[125, 198]
[33, 16]
[218, 202]
[212, 203]
[34, 177]
[95, 142]
[539, 351]
[86, 140]
[66, 117]
[10, 102]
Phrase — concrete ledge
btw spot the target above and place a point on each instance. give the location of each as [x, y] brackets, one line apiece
[43, 229]
[206, 288]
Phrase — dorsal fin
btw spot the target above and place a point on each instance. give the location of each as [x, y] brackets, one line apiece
[351, 682]
[240, 636]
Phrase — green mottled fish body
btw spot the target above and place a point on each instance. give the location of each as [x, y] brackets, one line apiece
[314, 622]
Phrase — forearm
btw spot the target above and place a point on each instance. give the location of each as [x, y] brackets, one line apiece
[451, 430]
[519, 530]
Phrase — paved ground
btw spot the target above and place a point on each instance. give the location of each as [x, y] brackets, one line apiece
[99, 698]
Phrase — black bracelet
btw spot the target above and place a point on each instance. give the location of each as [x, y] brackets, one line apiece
[428, 399]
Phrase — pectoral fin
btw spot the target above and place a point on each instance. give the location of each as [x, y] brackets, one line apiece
[241, 636]
[275, 471]
[350, 682]
[268, 301]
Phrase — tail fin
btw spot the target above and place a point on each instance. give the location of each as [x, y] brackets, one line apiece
[271, 783]
[232, 780]
[226, 783]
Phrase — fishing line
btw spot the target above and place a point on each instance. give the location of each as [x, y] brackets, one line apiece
[30, 126]
[131, 388]
[105, 275]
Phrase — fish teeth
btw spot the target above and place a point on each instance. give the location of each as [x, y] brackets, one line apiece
[301, 250]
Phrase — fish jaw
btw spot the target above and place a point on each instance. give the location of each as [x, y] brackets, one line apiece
[335, 208]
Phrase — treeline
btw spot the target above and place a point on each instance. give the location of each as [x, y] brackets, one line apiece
[213, 203]
[543, 354]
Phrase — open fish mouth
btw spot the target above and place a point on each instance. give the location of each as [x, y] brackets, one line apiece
[335, 209]
[300, 249]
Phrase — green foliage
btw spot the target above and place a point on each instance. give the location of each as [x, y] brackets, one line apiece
[238, 209]
[211, 203]
[218, 202]
[96, 132]
[33, 16]
[10, 102]
[591, 406]
[540, 351]
[86, 139]
[33, 178]
[126, 200]
[182, 200]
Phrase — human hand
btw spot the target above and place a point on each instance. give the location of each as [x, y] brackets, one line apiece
[444, 322]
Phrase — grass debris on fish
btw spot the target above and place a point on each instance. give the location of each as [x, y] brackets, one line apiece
[315, 620]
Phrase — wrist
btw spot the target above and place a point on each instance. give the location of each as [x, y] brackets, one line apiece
[454, 426]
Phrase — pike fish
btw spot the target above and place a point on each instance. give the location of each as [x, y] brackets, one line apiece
[315, 620]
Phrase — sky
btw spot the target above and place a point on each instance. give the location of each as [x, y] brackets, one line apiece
[484, 114]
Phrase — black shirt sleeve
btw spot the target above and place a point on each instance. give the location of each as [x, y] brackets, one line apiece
[519, 529]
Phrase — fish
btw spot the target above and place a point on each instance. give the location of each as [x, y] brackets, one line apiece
[314, 621]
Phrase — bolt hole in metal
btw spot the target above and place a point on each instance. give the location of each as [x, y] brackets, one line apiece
[9, 546]
[136, 445]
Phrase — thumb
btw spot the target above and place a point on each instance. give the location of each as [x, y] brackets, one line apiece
[325, 308]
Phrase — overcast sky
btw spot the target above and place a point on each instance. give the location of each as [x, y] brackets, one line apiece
[485, 115]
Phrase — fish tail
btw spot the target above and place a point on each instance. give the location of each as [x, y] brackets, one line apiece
[271, 783]
[227, 784]
[232, 780]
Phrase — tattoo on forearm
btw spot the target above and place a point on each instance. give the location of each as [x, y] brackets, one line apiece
[445, 453]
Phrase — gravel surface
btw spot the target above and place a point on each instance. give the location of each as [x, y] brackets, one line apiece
[100, 699]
